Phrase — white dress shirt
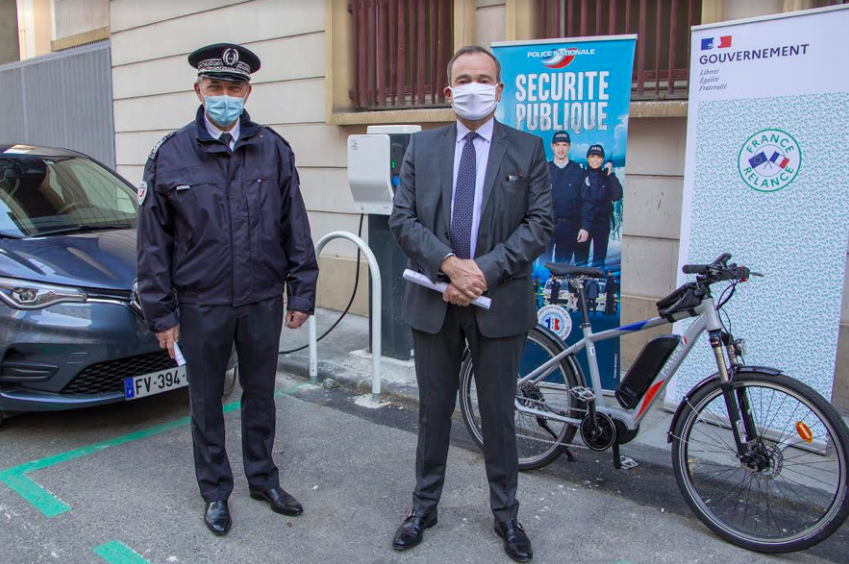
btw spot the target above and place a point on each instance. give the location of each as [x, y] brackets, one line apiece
[482, 144]
[216, 133]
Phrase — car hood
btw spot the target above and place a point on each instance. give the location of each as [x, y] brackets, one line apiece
[104, 259]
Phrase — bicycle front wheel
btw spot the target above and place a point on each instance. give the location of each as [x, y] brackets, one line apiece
[539, 440]
[789, 492]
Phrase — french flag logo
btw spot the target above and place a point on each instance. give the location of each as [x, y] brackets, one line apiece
[561, 58]
[779, 159]
[711, 43]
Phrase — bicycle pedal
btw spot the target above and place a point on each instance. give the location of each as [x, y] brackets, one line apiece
[582, 393]
[627, 462]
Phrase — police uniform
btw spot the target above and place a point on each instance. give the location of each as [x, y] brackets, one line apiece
[566, 185]
[222, 230]
[597, 194]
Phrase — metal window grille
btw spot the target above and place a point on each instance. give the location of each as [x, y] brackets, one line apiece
[400, 49]
[662, 58]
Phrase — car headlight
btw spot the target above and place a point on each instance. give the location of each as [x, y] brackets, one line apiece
[21, 294]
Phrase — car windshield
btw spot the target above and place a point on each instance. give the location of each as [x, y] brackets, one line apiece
[41, 196]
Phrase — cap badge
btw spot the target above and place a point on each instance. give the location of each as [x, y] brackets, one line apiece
[230, 56]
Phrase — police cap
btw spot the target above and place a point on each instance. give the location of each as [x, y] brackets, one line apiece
[596, 149]
[225, 61]
[561, 137]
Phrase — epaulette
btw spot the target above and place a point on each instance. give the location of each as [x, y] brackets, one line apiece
[270, 130]
[159, 144]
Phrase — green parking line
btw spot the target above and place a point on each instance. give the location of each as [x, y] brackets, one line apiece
[116, 552]
[51, 506]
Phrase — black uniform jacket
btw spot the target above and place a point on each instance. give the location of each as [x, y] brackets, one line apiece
[598, 192]
[566, 186]
[222, 228]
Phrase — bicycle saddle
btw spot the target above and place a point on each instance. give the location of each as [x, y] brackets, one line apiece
[558, 269]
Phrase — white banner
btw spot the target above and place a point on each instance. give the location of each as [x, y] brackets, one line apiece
[767, 180]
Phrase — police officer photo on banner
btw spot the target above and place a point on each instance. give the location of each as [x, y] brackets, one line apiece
[575, 95]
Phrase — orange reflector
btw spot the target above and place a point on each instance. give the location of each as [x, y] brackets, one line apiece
[804, 431]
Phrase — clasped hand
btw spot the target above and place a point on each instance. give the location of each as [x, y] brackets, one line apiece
[467, 281]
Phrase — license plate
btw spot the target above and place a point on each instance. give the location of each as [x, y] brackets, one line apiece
[142, 386]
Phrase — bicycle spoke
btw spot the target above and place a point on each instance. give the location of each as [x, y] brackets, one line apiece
[699, 418]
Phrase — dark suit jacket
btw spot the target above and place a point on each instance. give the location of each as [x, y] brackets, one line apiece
[516, 223]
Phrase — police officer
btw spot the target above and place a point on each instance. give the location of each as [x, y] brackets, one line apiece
[610, 288]
[600, 189]
[222, 230]
[567, 177]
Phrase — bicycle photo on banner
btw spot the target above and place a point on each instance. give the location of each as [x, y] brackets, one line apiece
[575, 94]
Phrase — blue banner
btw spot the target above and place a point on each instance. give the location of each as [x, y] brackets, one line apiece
[575, 94]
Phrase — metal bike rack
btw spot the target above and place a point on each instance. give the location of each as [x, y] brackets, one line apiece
[374, 272]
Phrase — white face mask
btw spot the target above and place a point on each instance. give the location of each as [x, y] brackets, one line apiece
[473, 101]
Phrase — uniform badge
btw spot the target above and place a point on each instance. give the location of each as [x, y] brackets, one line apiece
[230, 57]
[142, 193]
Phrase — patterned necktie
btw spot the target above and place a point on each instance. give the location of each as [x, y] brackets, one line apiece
[226, 138]
[464, 200]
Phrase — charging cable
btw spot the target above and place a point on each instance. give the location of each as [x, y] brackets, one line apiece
[350, 301]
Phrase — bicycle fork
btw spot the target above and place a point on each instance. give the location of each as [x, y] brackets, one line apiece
[737, 404]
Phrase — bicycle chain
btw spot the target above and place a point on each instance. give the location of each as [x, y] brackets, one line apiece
[626, 461]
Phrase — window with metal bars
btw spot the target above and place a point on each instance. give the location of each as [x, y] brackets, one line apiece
[662, 58]
[401, 49]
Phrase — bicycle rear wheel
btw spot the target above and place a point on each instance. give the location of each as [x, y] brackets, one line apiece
[539, 440]
[790, 492]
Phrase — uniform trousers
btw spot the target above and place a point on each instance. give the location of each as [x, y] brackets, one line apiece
[438, 357]
[599, 237]
[207, 335]
[563, 247]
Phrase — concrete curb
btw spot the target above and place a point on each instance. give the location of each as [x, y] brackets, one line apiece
[356, 381]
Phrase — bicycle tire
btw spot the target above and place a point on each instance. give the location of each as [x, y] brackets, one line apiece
[834, 515]
[553, 346]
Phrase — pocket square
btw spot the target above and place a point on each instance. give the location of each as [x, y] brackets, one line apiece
[514, 177]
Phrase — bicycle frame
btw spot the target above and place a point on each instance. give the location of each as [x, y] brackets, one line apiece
[706, 319]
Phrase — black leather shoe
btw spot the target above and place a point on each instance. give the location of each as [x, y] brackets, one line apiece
[517, 545]
[217, 517]
[411, 531]
[279, 500]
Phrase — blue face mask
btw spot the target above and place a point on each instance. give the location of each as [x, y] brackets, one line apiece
[224, 110]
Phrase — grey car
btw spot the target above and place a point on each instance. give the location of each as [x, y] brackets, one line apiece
[72, 333]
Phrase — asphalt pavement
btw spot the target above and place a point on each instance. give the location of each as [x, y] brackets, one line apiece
[116, 484]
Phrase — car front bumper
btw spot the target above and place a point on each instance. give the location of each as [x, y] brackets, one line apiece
[72, 355]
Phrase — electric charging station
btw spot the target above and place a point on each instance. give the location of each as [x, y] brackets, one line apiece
[374, 168]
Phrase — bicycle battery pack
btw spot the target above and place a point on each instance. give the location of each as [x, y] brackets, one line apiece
[648, 364]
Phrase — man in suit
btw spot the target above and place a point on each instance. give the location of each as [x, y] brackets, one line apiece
[473, 208]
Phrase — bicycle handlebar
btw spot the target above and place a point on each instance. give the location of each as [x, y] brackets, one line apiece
[719, 270]
[690, 295]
